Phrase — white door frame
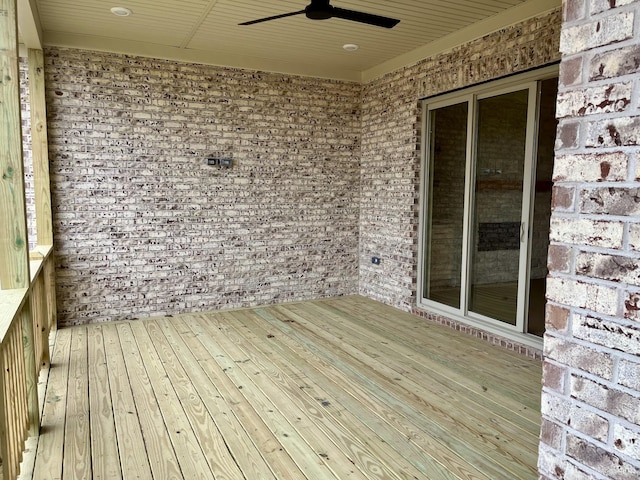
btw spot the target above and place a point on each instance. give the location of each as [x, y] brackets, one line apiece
[530, 81]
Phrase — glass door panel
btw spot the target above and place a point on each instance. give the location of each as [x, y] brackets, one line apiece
[448, 157]
[497, 226]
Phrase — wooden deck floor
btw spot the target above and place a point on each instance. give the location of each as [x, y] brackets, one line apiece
[329, 389]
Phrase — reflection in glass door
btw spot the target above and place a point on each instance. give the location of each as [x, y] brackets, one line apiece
[497, 211]
[446, 211]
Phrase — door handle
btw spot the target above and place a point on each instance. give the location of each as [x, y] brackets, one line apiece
[522, 229]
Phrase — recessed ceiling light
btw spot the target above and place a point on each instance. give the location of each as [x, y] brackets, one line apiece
[121, 11]
[350, 47]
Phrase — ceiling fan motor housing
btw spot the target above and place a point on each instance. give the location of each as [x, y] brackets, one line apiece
[319, 10]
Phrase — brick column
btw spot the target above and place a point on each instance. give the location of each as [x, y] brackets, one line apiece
[591, 380]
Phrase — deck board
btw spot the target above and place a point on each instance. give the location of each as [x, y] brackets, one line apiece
[401, 413]
[77, 433]
[131, 447]
[242, 449]
[280, 463]
[410, 361]
[52, 426]
[193, 463]
[157, 439]
[104, 447]
[336, 388]
[452, 411]
[378, 437]
[273, 411]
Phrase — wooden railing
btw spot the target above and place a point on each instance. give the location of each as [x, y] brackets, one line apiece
[27, 317]
[27, 309]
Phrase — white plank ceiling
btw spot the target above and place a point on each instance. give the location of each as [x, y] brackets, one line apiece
[207, 31]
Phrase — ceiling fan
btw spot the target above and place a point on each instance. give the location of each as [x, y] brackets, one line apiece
[323, 10]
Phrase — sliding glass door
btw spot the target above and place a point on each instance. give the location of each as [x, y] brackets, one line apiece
[478, 196]
[498, 224]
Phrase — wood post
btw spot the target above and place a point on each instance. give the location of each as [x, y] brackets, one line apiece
[14, 247]
[40, 148]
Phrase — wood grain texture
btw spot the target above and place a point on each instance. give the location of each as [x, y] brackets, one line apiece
[157, 440]
[104, 448]
[39, 147]
[41, 316]
[48, 465]
[50, 288]
[11, 302]
[77, 445]
[335, 388]
[134, 461]
[32, 351]
[280, 463]
[243, 450]
[208, 437]
[193, 463]
[14, 254]
[14, 425]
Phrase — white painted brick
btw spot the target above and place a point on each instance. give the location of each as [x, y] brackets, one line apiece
[613, 132]
[609, 334]
[587, 232]
[609, 267]
[608, 167]
[629, 374]
[615, 63]
[599, 118]
[572, 472]
[620, 201]
[390, 144]
[564, 412]
[606, 399]
[614, 28]
[590, 101]
[556, 408]
[598, 6]
[589, 423]
[129, 180]
[634, 236]
[579, 356]
[550, 462]
[606, 463]
[584, 295]
[626, 440]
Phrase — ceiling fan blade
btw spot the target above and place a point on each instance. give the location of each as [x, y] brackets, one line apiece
[377, 20]
[275, 17]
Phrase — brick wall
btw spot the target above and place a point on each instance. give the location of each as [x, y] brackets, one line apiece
[391, 142]
[591, 394]
[143, 226]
